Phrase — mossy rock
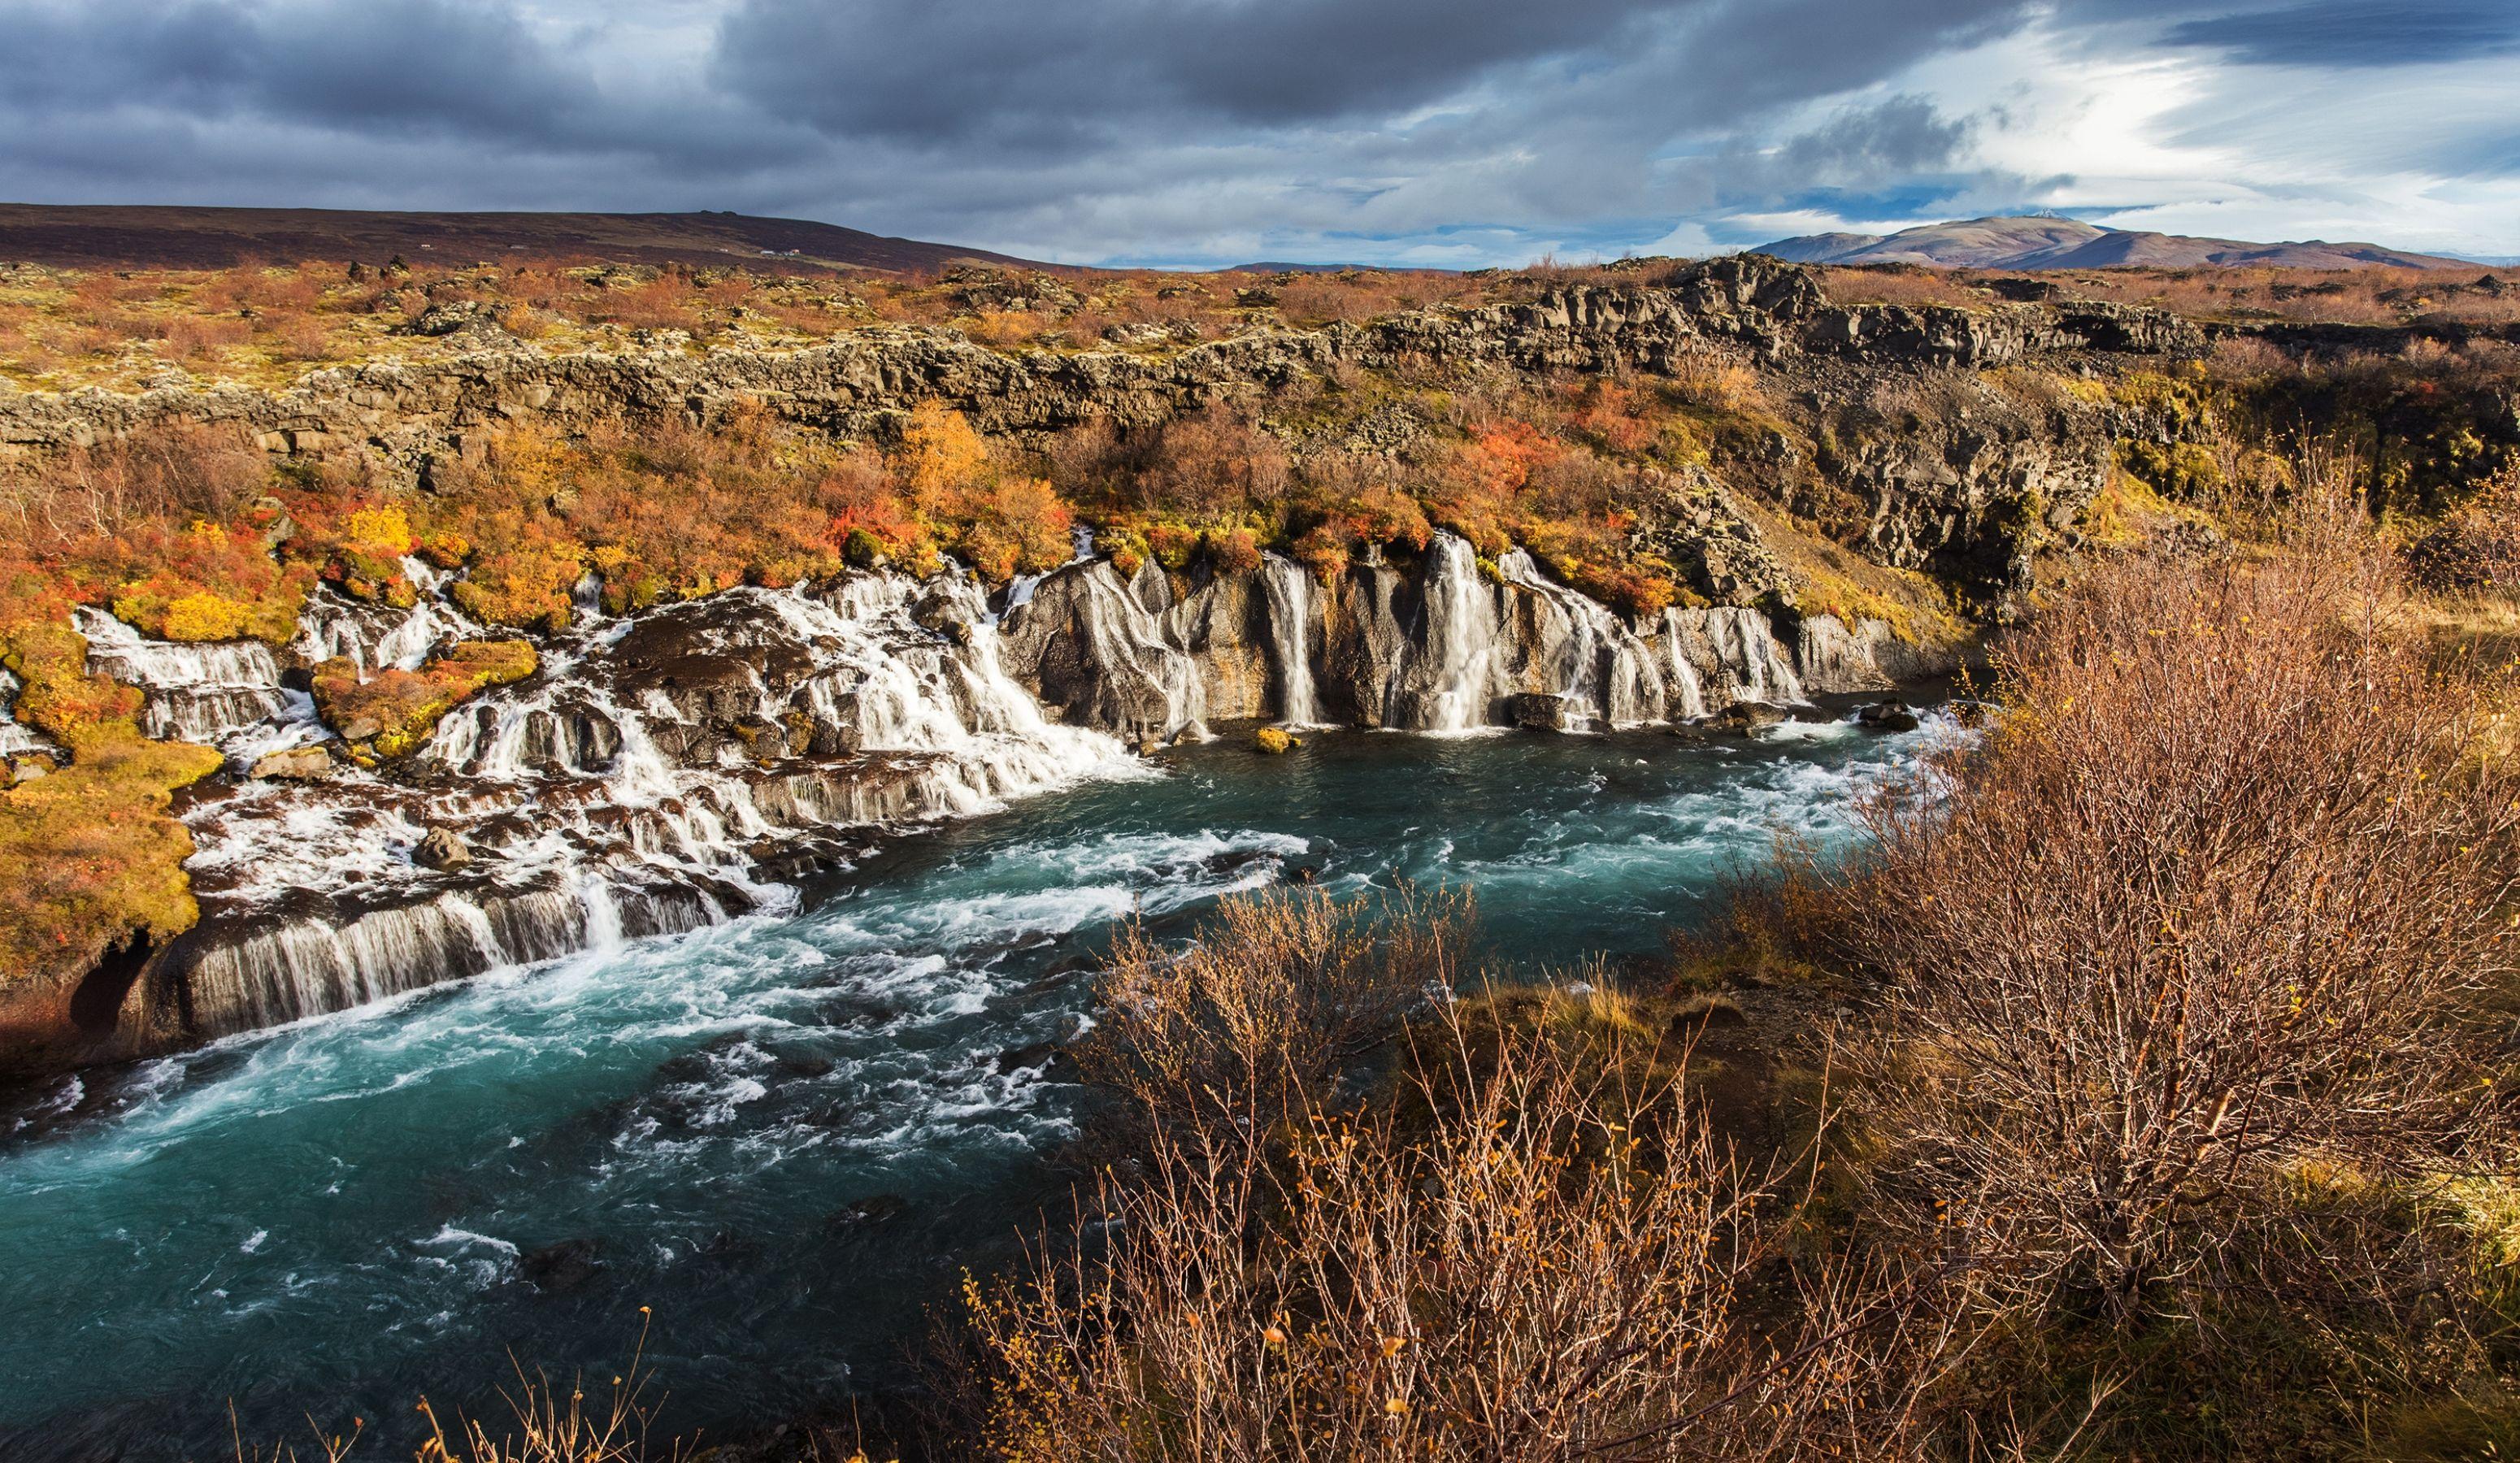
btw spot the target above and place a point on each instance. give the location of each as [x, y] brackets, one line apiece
[395, 712]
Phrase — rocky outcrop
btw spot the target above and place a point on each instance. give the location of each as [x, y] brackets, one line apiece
[397, 419]
[1981, 339]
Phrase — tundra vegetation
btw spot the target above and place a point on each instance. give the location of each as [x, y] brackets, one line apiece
[2137, 1088]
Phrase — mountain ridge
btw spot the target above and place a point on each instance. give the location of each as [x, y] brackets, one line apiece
[2036, 242]
[156, 235]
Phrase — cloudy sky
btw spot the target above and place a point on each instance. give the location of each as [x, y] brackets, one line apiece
[1449, 132]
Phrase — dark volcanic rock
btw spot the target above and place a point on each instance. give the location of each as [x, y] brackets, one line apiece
[557, 1269]
[1746, 717]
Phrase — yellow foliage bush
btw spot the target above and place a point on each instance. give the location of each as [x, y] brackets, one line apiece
[940, 454]
[384, 532]
[201, 616]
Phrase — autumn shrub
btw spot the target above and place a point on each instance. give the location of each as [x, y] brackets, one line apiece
[195, 338]
[1283, 991]
[1910, 284]
[1345, 500]
[1210, 465]
[2206, 910]
[2475, 546]
[391, 712]
[1523, 1250]
[206, 582]
[1017, 525]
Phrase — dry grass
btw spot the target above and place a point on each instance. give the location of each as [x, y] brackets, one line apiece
[544, 1424]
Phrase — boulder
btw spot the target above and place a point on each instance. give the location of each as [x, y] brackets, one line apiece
[1538, 711]
[443, 849]
[1887, 716]
[1747, 717]
[563, 1266]
[294, 764]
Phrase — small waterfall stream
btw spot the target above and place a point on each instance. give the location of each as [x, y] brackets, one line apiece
[196, 693]
[1600, 673]
[1289, 588]
[16, 736]
[1755, 665]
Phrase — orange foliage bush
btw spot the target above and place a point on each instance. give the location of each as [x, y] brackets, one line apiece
[393, 711]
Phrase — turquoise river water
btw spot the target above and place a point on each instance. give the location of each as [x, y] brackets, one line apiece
[789, 1136]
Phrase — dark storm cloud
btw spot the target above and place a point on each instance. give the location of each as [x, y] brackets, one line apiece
[1073, 73]
[361, 65]
[953, 70]
[2357, 33]
[1905, 134]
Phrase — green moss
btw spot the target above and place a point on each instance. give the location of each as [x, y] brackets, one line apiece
[89, 854]
[2180, 470]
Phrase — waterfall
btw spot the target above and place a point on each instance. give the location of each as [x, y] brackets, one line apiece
[1754, 666]
[378, 637]
[1289, 588]
[603, 801]
[17, 737]
[1139, 681]
[1597, 667]
[664, 768]
[1446, 673]
[194, 691]
[1684, 695]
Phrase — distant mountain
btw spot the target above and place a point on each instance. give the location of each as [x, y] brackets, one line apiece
[1280, 266]
[2069, 243]
[86, 235]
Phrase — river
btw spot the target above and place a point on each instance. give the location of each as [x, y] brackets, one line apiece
[786, 1135]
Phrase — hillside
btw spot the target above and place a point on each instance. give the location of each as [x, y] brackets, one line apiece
[86, 235]
[2070, 243]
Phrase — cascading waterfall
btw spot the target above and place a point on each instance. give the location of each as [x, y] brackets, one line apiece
[1288, 586]
[1446, 673]
[196, 693]
[586, 831]
[1601, 673]
[1754, 665]
[377, 636]
[665, 769]
[1684, 695]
